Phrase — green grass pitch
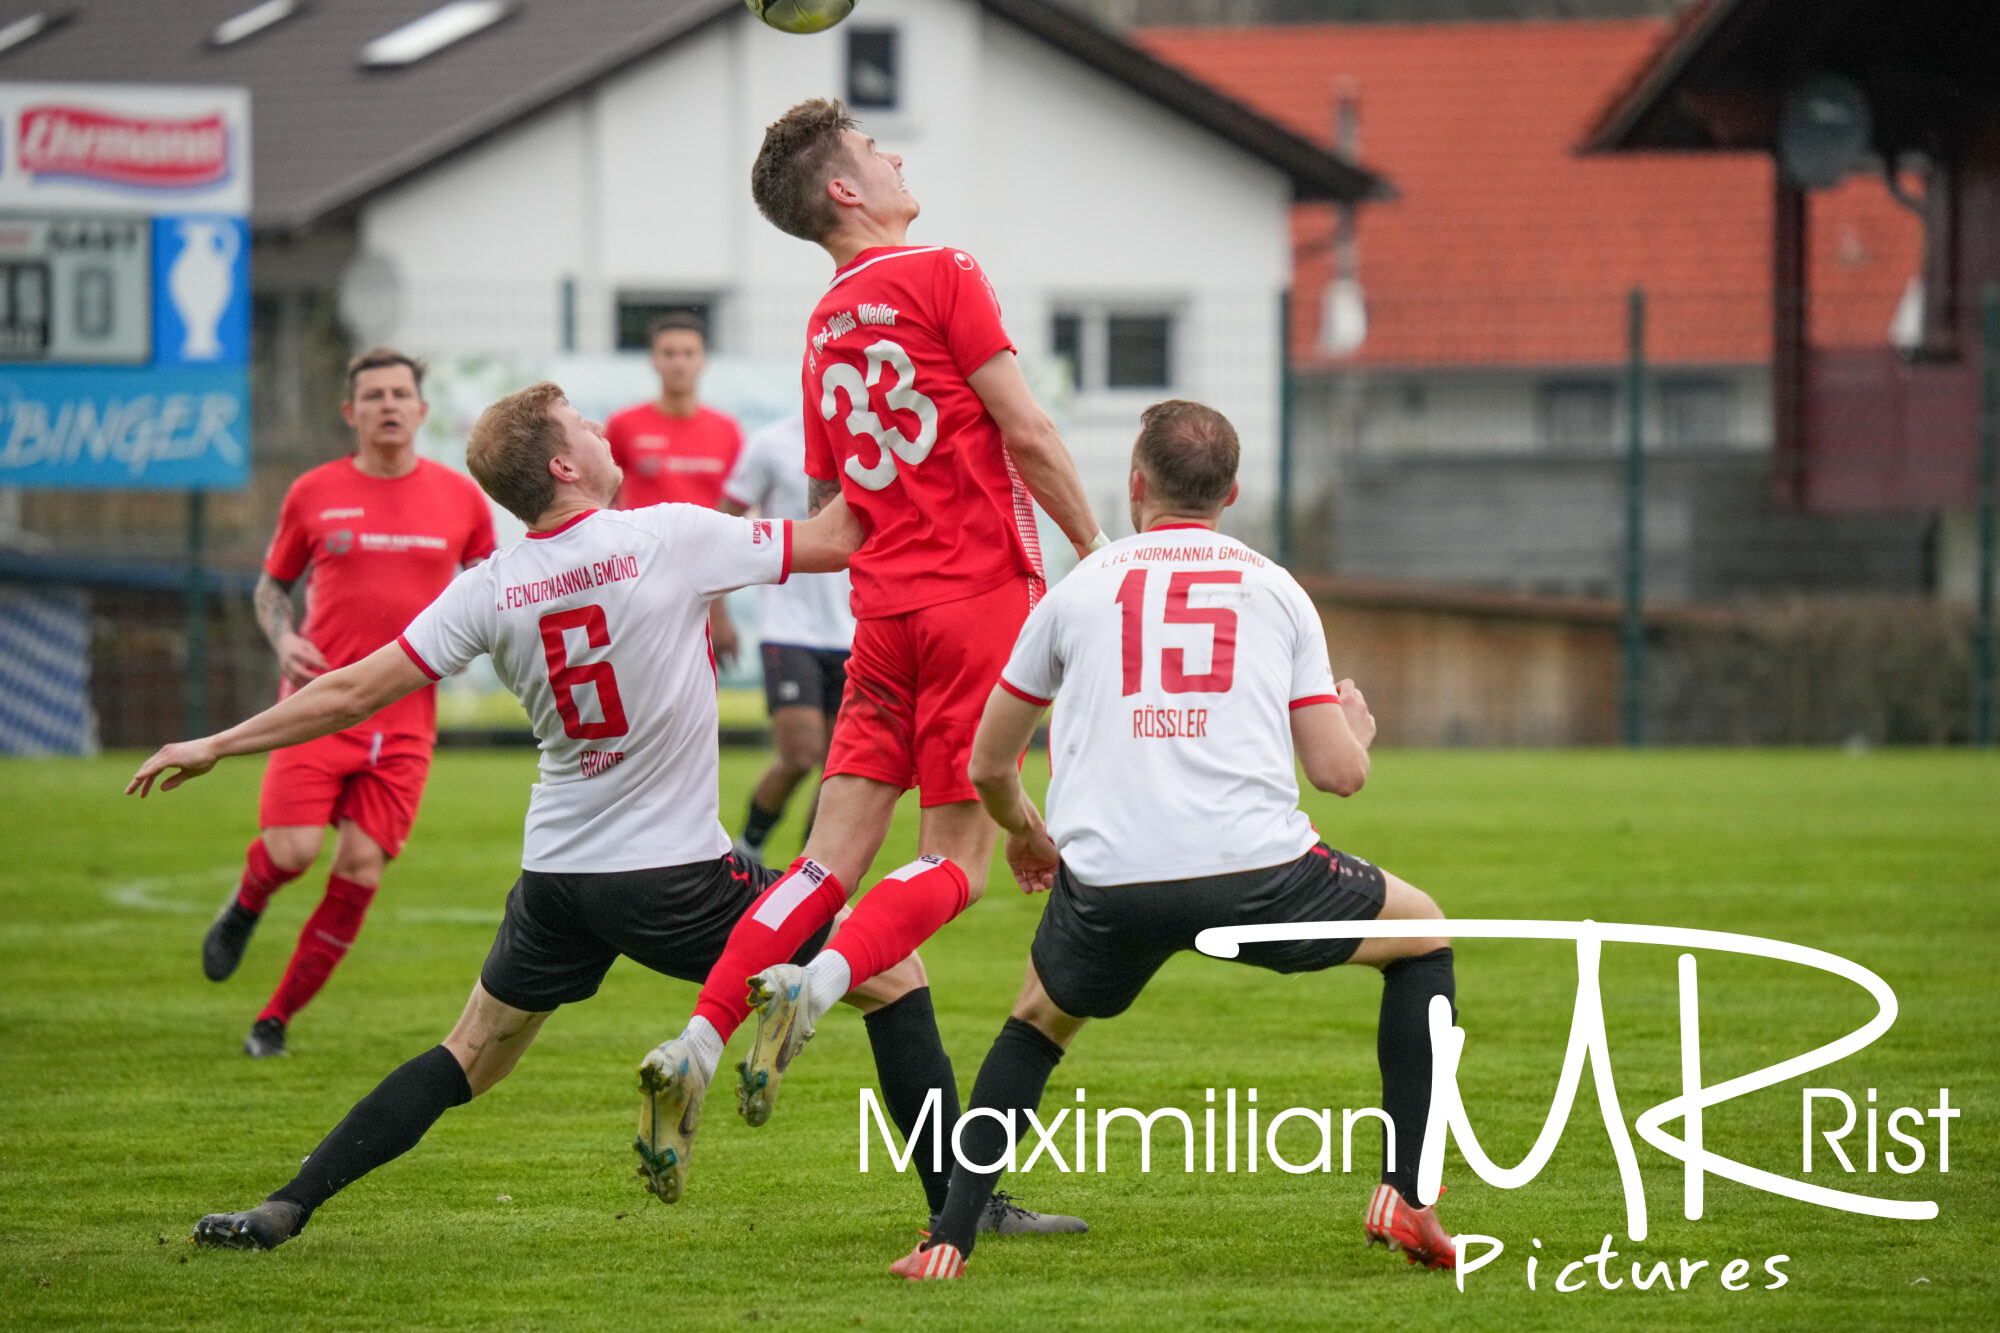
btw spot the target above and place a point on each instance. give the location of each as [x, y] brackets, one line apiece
[126, 1110]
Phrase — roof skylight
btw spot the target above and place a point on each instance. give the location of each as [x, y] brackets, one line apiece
[24, 30]
[424, 37]
[253, 21]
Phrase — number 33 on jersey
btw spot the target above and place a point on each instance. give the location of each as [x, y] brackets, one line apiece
[891, 417]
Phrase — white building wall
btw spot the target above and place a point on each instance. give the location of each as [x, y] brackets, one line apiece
[1069, 188]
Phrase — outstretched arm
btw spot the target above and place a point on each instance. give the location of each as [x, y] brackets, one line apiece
[824, 542]
[1004, 732]
[1037, 449]
[331, 702]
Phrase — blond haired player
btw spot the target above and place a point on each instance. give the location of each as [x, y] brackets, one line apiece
[596, 622]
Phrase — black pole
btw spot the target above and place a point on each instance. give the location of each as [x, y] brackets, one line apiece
[195, 597]
[1284, 514]
[1635, 522]
[1989, 481]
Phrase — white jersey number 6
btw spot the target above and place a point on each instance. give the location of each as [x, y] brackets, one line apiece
[861, 419]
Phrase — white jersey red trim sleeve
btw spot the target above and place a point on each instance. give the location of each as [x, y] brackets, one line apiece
[600, 628]
[1023, 695]
[1174, 659]
[403, 642]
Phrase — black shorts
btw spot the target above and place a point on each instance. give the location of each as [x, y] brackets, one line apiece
[796, 677]
[561, 932]
[1098, 946]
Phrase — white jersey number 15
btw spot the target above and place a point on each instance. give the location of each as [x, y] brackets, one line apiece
[861, 418]
[1220, 677]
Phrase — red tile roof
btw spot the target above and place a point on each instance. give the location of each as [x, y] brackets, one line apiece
[1504, 247]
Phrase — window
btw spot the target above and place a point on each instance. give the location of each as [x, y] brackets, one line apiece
[1113, 349]
[252, 21]
[637, 310]
[444, 26]
[1066, 341]
[1139, 352]
[871, 69]
[1694, 413]
[24, 30]
[1576, 414]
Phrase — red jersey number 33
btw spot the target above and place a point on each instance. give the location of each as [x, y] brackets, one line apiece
[902, 395]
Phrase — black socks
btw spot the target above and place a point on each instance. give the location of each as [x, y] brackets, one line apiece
[1016, 1071]
[757, 825]
[382, 1127]
[1403, 1049]
[909, 1061]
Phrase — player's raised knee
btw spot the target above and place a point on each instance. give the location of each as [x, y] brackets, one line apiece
[1404, 901]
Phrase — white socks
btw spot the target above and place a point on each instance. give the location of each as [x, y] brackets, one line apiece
[707, 1044]
[827, 979]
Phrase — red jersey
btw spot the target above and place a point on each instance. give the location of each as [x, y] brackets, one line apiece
[672, 460]
[379, 551]
[889, 412]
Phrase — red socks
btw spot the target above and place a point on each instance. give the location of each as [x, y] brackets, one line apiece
[908, 907]
[262, 877]
[328, 934]
[777, 926]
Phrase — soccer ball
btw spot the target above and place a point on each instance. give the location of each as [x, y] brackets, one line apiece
[800, 16]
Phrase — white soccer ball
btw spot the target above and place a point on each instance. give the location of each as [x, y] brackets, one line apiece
[801, 16]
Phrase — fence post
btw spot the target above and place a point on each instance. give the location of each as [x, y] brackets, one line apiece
[194, 597]
[1989, 466]
[569, 314]
[1635, 521]
[1635, 563]
[1284, 514]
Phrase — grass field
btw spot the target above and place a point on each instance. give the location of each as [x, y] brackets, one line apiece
[126, 1111]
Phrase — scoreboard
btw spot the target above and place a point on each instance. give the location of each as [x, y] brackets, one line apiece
[124, 286]
[76, 288]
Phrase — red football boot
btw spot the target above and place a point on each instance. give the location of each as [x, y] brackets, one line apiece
[941, 1260]
[1412, 1231]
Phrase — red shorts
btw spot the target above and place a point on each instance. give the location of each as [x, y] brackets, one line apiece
[373, 778]
[916, 686]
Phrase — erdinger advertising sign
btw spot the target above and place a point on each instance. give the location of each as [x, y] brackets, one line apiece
[124, 287]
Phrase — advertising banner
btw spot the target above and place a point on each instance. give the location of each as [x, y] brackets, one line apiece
[124, 287]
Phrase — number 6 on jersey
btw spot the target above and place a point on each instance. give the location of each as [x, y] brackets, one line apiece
[565, 676]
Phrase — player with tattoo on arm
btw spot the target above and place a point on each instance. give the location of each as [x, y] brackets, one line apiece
[376, 536]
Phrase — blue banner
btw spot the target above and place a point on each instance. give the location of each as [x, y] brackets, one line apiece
[116, 428]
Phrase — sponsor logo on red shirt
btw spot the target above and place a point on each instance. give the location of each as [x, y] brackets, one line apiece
[124, 150]
[339, 542]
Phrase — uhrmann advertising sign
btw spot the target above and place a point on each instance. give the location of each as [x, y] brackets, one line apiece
[124, 286]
